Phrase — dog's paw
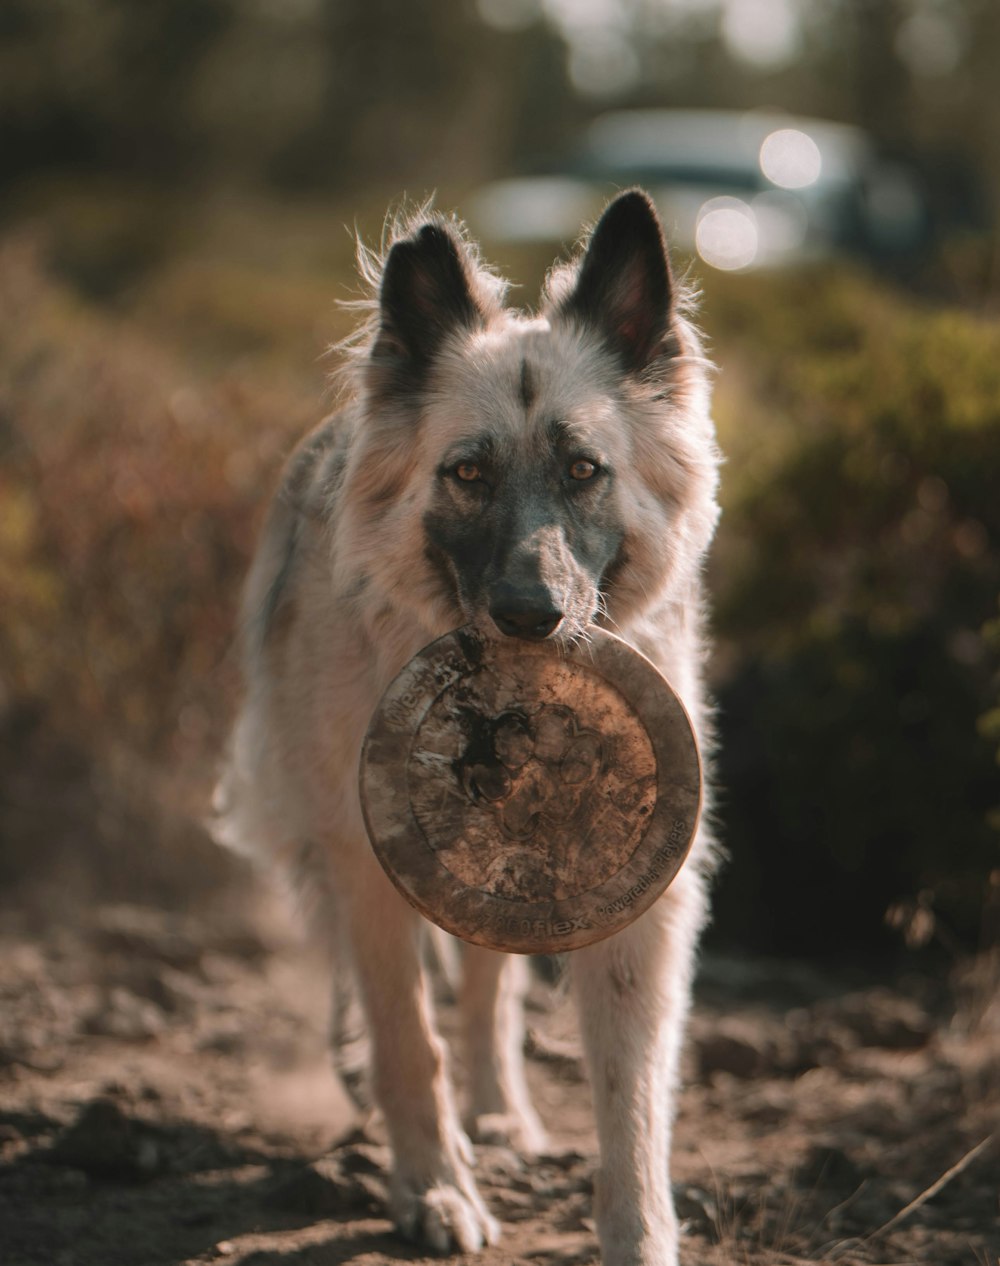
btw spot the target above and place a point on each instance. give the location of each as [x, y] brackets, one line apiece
[522, 1132]
[443, 1217]
[653, 1243]
[650, 1253]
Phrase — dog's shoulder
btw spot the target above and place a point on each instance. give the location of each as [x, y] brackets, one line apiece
[307, 496]
[313, 474]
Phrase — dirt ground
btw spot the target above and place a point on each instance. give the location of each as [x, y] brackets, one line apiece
[165, 1097]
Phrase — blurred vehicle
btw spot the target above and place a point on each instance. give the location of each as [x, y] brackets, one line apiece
[741, 189]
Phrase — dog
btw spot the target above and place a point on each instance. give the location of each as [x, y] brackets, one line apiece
[529, 474]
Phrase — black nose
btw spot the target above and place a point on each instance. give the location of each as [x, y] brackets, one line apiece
[531, 622]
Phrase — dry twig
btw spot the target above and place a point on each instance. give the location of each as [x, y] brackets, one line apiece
[933, 1189]
[927, 1194]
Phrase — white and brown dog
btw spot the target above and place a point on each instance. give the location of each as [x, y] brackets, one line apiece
[530, 474]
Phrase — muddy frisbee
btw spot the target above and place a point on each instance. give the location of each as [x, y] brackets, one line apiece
[527, 797]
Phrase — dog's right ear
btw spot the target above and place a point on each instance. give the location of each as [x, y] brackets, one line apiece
[425, 295]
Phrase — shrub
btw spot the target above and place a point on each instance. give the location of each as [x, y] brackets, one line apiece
[129, 496]
[858, 565]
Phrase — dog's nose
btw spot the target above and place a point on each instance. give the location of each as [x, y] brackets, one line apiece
[533, 621]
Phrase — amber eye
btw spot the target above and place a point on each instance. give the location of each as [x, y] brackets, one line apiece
[468, 472]
[582, 469]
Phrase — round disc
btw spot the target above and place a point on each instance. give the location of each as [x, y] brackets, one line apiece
[528, 797]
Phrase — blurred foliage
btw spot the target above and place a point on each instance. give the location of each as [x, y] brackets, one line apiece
[129, 495]
[855, 577]
[858, 567]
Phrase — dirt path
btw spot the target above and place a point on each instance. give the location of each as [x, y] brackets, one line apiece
[165, 1098]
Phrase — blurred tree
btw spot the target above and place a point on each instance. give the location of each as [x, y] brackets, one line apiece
[303, 93]
[410, 96]
[103, 84]
[355, 93]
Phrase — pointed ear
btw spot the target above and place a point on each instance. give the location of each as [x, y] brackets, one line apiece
[624, 288]
[424, 296]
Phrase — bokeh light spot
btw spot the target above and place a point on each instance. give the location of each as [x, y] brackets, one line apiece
[726, 234]
[931, 42]
[509, 15]
[790, 159]
[764, 33]
[602, 62]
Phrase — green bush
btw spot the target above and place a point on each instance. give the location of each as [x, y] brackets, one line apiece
[858, 567]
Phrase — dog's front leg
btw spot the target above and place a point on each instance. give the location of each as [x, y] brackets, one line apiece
[433, 1195]
[632, 992]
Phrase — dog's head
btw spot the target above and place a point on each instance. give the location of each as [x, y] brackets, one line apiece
[534, 473]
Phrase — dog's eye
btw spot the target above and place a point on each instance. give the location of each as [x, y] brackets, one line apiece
[468, 472]
[582, 469]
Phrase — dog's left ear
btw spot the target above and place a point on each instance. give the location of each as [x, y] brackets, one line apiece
[624, 288]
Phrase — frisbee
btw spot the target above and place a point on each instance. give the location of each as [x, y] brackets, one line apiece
[529, 796]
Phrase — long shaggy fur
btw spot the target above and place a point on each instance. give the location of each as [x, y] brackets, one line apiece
[530, 474]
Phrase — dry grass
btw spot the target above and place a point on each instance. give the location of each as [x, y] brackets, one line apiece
[130, 489]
